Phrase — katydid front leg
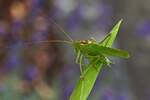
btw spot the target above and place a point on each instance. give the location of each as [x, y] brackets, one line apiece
[79, 60]
[81, 69]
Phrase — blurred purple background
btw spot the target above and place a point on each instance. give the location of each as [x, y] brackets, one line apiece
[35, 70]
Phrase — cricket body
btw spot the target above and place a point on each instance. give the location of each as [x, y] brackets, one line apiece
[89, 49]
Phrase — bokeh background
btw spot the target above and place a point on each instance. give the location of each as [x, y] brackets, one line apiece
[33, 69]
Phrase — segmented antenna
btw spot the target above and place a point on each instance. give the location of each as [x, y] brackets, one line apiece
[61, 29]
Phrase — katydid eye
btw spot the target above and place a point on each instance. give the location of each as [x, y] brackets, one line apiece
[83, 42]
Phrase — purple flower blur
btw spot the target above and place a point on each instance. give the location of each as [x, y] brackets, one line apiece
[121, 97]
[74, 20]
[104, 19]
[143, 28]
[30, 73]
[107, 95]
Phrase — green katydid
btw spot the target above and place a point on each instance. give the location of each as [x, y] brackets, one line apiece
[91, 48]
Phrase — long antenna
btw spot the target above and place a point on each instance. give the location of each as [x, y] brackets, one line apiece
[61, 29]
[46, 41]
[49, 41]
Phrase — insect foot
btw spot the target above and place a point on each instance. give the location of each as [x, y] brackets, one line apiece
[82, 77]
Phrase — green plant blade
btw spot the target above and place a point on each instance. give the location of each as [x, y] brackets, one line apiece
[84, 86]
[108, 41]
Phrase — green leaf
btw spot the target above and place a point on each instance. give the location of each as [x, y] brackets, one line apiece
[84, 86]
